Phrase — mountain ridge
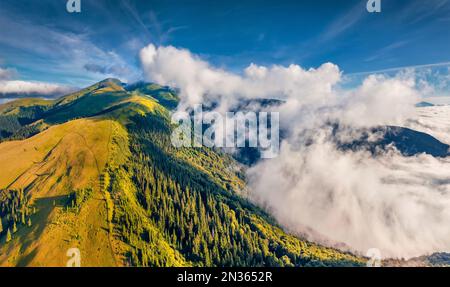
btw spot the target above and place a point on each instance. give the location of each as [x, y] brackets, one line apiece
[100, 175]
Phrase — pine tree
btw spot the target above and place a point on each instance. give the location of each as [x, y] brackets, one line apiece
[14, 228]
[8, 236]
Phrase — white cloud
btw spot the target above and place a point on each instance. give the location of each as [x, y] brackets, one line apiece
[398, 204]
[377, 101]
[434, 121]
[23, 88]
[198, 81]
[380, 100]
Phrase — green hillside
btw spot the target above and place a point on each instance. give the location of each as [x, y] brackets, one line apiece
[96, 170]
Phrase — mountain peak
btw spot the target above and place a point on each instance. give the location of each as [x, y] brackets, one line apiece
[111, 81]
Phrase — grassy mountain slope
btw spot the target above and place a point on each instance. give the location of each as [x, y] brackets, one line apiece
[49, 168]
[101, 175]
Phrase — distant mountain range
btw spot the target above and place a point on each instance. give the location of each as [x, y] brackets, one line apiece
[424, 104]
[407, 141]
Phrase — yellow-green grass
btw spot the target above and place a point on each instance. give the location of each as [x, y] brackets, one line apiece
[49, 166]
[110, 87]
[77, 143]
[133, 106]
[63, 146]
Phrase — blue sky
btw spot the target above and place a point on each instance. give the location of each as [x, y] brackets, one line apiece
[41, 41]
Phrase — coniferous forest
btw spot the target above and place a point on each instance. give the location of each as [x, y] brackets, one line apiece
[197, 213]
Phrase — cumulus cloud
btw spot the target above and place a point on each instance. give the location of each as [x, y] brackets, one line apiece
[354, 200]
[380, 101]
[198, 81]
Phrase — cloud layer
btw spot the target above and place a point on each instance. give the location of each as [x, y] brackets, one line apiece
[397, 204]
[17, 88]
[11, 87]
[353, 200]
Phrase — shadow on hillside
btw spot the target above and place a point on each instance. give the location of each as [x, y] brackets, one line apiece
[28, 235]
